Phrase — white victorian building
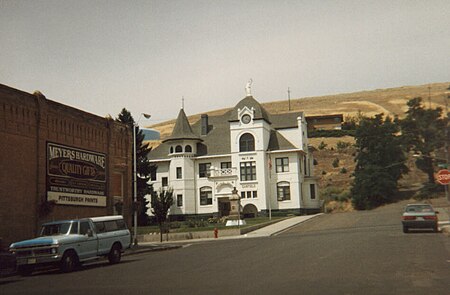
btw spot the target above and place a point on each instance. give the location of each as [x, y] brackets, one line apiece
[262, 158]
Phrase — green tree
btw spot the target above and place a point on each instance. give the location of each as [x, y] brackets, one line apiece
[380, 162]
[322, 146]
[143, 168]
[160, 205]
[423, 131]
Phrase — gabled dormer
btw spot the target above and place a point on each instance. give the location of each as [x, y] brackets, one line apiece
[246, 115]
[249, 106]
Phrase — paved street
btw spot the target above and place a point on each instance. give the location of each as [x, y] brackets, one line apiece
[346, 253]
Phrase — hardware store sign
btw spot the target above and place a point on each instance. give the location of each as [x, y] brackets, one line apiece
[75, 176]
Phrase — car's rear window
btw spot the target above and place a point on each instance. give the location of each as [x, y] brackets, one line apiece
[419, 208]
[111, 225]
[100, 226]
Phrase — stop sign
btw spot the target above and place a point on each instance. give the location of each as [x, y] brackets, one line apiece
[443, 177]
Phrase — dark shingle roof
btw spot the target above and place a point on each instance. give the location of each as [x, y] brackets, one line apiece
[279, 142]
[286, 120]
[217, 140]
[159, 152]
[249, 101]
[182, 129]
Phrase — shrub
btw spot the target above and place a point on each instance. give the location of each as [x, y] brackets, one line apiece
[217, 220]
[336, 199]
[341, 145]
[175, 224]
[331, 193]
[336, 163]
[322, 146]
[343, 170]
[429, 191]
[196, 223]
[330, 133]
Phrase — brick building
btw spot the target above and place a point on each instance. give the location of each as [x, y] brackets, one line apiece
[58, 162]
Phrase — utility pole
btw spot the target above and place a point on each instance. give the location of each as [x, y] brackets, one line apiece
[135, 175]
[446, 97]
[289, 98]
[429, 96]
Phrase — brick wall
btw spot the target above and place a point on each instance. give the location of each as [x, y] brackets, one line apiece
[27, 123]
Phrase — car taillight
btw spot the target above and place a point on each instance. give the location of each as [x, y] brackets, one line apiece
[430, 217]
[409, 217]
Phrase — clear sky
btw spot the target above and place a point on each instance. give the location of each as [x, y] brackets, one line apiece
[101, 56]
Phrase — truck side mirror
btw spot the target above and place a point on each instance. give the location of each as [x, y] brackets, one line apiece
[90, 233]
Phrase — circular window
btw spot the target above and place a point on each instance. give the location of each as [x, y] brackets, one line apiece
[246, 119]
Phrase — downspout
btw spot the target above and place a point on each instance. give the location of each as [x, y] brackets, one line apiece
[195, 186]
[301, 178]
[37, 200]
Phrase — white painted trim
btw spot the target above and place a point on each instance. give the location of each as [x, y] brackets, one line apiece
[287, 151]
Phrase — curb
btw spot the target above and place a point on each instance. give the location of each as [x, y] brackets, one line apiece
[445, 230]
[151, 248]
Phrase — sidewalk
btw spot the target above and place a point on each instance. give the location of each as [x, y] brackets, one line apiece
[270, 230]
[443, 207]
[279, 227]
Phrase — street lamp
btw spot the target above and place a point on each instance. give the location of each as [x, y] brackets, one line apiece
[135, 126]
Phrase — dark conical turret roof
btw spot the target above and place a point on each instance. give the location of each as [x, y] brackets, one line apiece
[250, 102]
[182, 129]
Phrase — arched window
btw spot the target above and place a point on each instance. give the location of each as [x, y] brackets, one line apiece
[178, 149]
[188, 149]
[250, 211]
[205, 195]
[171, 149]
[247, 143]
[283, 191]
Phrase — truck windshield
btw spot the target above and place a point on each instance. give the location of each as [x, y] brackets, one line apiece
[55, 229]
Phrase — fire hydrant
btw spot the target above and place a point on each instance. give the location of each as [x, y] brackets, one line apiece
[216, 233]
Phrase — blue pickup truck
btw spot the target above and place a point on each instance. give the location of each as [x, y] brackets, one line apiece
[69, 243]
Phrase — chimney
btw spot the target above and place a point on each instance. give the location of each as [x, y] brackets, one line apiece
[204, 124]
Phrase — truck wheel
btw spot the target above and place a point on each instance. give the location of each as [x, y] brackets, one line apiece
[115, 254]
[25, 270]
[69, 261]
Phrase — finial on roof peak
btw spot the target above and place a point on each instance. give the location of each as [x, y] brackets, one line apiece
[39, 94]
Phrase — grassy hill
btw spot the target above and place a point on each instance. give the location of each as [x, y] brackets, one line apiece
[390, 101]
